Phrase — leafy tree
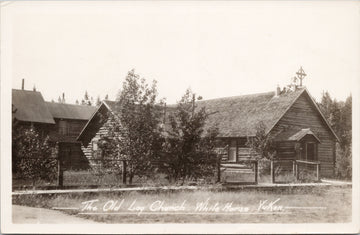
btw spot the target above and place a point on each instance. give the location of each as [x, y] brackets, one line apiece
[135, 133]
[33, 156]
[262, 148]
[190, 150]
[261, 144]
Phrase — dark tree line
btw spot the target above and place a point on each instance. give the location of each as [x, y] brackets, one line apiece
[339, 116]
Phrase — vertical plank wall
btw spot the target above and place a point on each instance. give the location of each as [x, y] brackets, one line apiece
[303, 114]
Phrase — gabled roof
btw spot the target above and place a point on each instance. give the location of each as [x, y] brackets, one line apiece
[295, 135]
[302, 133]
[30, 107]
[238, 116]
[70, 111]
[112, 107]
[94, 117]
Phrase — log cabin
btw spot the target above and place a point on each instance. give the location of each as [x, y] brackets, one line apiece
[61, 122]
[292, 119]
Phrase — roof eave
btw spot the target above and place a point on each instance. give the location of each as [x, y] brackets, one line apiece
[91, 118]
[322, 115]
[38, 122]
[287, 109]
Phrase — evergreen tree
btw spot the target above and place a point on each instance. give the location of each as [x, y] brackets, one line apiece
[98, 101]
[190, 149]
[86, 100]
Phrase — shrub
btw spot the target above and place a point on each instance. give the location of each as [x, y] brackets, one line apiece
[189, 149]
[343, 166]
[35, 156]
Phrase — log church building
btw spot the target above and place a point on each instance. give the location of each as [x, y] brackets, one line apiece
[292, 119]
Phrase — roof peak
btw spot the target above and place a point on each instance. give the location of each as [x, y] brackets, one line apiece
[49, 102]
[32, 91]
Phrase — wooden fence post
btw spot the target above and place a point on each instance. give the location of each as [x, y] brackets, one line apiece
[297, 170]
[60, 172]
[124, 172]
[256, 165]
[219, 171]
[294, 170]
[272, 171]
[318, 172]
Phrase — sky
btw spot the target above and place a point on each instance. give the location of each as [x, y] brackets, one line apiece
[217, 49]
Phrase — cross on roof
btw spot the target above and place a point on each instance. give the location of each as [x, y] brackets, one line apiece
[301, 75]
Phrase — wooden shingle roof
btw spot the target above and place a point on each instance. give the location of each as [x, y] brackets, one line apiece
[295, 135]
[30, 107]
[238, 116]
[70, 111]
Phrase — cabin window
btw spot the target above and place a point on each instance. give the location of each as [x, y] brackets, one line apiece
[62, 127]
[94, 146]
[75, 128]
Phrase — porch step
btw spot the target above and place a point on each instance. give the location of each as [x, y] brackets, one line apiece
[242, 171]
[235, 166]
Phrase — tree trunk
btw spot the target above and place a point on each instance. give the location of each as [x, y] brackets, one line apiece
[124, 172]
[60, 176]
[218, 170]
[131, 175]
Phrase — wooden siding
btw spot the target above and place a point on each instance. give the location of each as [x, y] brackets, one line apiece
[303, 114]
[72, 156]
[87, 147]
[242, 151]
[69, 127]
[98, 127]
[285, 150]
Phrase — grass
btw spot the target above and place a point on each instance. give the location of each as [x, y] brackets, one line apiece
[87, 179]
[333, 205]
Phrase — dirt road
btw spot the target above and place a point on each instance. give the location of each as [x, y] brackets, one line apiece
[31, 215]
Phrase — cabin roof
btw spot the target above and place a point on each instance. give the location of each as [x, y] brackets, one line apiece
[238, 116]
[70, 111]
[30, 107]
[295, 135]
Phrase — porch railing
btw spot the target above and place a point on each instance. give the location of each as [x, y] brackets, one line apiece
[313, 163]
[295, 167]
